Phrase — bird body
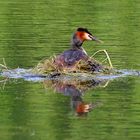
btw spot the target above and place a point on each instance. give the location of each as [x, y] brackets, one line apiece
[70, 57]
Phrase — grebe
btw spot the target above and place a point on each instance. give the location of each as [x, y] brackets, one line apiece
[70, 57]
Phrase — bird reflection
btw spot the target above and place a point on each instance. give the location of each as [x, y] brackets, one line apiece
[76, 89]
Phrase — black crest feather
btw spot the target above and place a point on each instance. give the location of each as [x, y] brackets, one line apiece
[83, 30]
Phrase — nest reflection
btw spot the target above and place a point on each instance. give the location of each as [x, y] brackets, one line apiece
[76, 89]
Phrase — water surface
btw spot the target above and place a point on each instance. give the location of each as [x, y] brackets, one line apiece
[32, 30]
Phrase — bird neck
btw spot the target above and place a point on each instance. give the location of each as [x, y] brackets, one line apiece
[76, 43]
[80, 49]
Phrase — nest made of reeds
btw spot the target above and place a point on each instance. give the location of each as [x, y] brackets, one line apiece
[91, 65]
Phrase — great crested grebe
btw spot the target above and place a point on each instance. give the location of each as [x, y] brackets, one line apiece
[70, 57]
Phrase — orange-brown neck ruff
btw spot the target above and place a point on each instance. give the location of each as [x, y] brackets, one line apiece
[81, 35]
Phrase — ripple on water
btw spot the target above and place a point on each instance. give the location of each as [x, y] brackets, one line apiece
[28, 75]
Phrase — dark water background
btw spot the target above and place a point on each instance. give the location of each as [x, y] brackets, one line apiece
[31, 30]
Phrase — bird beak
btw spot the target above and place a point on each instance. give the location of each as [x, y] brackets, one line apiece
[95, 39]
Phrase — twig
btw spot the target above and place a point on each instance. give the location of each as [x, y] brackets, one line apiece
[4, 64]
[109, 60]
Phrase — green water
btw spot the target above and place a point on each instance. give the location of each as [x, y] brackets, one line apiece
[31, 30]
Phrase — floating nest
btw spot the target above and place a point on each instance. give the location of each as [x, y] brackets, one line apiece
[47, 66]
[89, 67]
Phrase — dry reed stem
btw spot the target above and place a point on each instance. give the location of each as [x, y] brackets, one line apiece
[107, 57]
